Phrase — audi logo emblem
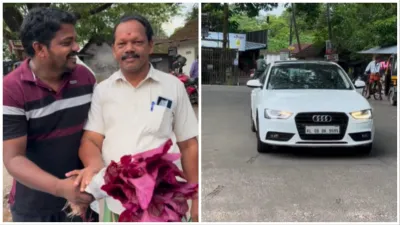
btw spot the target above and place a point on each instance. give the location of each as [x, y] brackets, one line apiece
[322, 118]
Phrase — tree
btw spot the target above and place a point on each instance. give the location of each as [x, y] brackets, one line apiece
[355, 26]
[278, 28]
[358, 26]
[215, 13]
[95, 19]
[193, 14]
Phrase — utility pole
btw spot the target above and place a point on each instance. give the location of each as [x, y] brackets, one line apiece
[290, 30]
[225, 28]
[295, 26]
[328, 14]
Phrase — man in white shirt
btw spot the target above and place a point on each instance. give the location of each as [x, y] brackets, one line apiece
[373, 69]
[138, 108]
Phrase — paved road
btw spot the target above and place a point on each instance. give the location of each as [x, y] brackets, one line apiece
[238, 184]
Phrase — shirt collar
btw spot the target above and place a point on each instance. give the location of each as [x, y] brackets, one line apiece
[151, 74]
[27, 74]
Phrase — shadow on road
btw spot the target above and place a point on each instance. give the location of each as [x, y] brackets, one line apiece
[322, 153]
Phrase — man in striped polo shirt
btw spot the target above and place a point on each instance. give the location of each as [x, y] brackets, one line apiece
[45, 106]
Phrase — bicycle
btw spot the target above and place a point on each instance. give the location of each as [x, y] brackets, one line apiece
[375, 90]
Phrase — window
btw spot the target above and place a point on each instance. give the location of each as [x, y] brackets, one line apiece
[308, 76]
[264, 75]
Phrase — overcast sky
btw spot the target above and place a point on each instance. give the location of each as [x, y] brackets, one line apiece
[179, 21]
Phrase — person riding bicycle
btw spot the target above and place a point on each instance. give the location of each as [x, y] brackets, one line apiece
[260, 67]
[373, 70]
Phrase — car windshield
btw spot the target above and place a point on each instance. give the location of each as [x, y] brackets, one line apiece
[308, 76]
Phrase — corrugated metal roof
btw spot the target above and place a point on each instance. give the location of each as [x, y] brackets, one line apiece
[380, 50]
[253, 45]
[218, 44]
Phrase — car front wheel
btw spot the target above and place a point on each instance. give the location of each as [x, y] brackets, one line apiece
[253, 126]
[261, 146]
[365, 149]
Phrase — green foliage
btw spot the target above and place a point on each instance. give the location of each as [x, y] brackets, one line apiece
[355, 26]
[358, 26]
[193, 14]
[216, 14]
[100, 23]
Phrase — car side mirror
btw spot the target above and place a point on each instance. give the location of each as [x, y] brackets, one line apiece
[255, 83]
[359, 84]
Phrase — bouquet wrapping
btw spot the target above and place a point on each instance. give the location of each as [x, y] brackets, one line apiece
[146, 185]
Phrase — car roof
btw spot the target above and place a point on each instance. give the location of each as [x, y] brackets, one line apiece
[304, 62]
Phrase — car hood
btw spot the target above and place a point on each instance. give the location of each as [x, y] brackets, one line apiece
[314, 100]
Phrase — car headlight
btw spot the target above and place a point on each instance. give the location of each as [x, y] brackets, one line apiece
[276, 114]
[362, 115]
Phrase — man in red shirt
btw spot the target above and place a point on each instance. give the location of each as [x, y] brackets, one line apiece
[46, 102]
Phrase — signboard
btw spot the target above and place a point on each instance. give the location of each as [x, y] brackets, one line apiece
[332, 57]
[214, 40]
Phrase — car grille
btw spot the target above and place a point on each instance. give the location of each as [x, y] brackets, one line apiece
[305, 119]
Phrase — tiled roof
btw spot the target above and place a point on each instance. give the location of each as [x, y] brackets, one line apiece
[189, 31]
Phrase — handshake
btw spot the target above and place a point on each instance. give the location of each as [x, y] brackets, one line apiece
[76, 188]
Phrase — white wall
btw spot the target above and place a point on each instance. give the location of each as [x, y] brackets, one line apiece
[188, 50]
[269, 58]
[102, 62]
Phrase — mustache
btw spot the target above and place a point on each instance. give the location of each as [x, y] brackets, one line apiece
[72, 54]
[130, 55]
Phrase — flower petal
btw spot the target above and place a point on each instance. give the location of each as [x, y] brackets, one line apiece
[171, 216]
[171, 157]
[129, 216]
[147, 217]
[116, 191]
[155, 153]
[144, 187]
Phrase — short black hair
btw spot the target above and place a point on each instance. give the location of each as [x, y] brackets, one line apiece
[140, 19]
[41, 25]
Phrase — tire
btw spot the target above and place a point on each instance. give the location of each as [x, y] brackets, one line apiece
[365, 149]
[376, 96]
[253, 126]
[391, 98]
[365, 92]
[194, 98]
[261, 146]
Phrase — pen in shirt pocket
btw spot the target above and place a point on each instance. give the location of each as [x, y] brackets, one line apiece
[152, 106]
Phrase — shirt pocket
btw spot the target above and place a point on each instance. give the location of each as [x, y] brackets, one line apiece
[160, 121]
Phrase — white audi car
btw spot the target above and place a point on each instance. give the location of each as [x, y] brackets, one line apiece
[310, 104]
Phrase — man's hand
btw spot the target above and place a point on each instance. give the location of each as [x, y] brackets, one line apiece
[84, 176]
[66, 189]
[194, 211]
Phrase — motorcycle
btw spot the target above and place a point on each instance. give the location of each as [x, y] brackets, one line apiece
[190, 83]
